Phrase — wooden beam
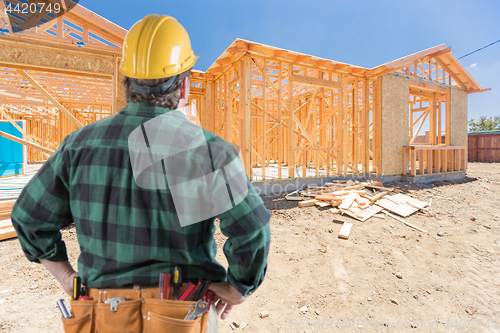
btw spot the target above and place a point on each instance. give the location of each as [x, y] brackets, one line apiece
[26, 143]
[50, 98]
[423, 83]
[291, 159]
[415, 134]
[339, 130]
[2, 111]
[264, 124]
[317, 82]
[451, 73]
[280, 127]
[432, 120]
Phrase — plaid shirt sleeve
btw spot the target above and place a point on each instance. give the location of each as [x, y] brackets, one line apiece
[42, 209]
[247, 227]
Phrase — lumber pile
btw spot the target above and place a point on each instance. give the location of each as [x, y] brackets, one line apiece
[6, 229]
[360, 200]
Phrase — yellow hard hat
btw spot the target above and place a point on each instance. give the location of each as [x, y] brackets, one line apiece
[156, 47]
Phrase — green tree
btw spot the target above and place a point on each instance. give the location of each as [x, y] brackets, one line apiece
[485, 124]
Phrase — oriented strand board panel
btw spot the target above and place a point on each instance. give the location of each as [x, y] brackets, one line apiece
[402, 209]
[23, 54]
[458, 128]
[121, 101]
[395, 122]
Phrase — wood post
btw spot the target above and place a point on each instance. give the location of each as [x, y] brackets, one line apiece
[291, 159]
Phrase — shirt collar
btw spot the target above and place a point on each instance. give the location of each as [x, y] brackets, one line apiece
[143, 109]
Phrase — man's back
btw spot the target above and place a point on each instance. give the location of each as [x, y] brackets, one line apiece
[129, 234]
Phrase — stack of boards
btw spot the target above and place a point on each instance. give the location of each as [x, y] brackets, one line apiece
[358, 200]
[6, 229]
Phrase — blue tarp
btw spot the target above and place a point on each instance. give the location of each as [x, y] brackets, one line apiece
[11, 153]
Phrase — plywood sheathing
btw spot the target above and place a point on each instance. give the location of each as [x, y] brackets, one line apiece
[121, 101]
[24, 54]
[458, 117]
[395, 120]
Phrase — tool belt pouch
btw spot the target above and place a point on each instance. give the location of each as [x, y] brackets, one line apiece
[83, 317]
[161, 315]
[121, 317]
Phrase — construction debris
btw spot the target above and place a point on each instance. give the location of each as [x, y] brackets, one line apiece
[360, 200]
[264, 314]
[346, 229]
[403, 221]
[6, 228]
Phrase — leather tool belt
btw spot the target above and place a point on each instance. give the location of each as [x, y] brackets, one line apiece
[141, 312]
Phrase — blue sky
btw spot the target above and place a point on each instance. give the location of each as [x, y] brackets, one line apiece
[364, 33]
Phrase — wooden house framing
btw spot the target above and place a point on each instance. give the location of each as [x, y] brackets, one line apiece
[293, 115]
[58, 76]
[298, 116]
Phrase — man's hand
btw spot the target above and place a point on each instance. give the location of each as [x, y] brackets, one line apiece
[227, 295]
[63, 272]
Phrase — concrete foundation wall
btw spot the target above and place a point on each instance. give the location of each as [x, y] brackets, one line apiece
[288, 185]
[395, 122]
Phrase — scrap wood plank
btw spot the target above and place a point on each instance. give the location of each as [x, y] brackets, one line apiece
[5, 224]
[380, 188]
[322, 204]
[5, 215]
[403, 221]
[336, 194]
[335, 203]
[354, 210]
[365, 214]
[402, 209]
[334, 210]
[362, 215]
[307, 203]
[347, 202]
[401, 198]
[355, 187]
[292, 197]
[345, 230]
[333, 183]
[362, 201]
[375, 197]
[7, 233]
[347, 212]
[7, 205]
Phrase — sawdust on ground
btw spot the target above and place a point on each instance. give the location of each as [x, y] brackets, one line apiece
[385, 273]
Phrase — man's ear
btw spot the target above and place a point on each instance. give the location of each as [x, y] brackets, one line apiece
[184, 92]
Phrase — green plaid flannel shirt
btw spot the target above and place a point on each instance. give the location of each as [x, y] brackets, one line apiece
[128, 234]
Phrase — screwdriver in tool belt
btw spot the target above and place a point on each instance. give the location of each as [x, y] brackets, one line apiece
[77, 287]
[164, 286]
[176, 281]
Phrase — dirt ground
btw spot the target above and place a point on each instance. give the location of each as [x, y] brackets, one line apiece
[386, 277]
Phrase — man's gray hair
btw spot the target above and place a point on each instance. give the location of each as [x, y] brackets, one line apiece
[168, 99]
